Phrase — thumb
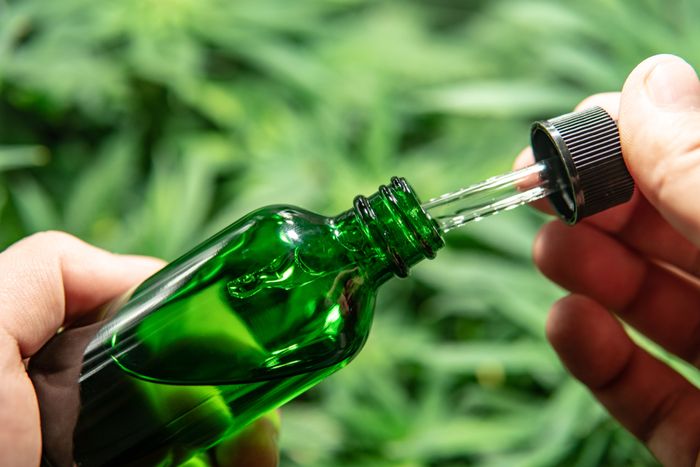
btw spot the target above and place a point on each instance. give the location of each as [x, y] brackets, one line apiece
[660, 134]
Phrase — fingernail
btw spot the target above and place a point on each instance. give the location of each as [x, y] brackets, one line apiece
[673, 85]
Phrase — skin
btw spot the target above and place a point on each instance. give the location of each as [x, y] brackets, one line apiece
[638, 263]
[47, 281]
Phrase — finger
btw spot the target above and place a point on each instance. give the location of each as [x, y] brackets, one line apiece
[45, 278]
[660, 134]
[636, 223]
[641, 227]
[651, 400]
[255, 445]
[639, 224]
[654, 300]
[51, 277]
[20, 441]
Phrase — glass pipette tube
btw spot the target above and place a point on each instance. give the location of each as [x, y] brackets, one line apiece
[493, 195]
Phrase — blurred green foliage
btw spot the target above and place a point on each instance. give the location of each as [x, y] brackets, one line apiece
[144, 126]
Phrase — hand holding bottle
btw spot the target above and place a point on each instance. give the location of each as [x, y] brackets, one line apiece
[50, 280]
[640, 261]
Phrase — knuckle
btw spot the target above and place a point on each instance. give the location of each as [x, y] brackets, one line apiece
[660, 413]
[51, 236]
[47, 240]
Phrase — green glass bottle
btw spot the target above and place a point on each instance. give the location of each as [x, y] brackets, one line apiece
[246, 321]
[249, 319]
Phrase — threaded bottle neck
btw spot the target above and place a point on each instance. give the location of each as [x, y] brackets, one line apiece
[397, 226]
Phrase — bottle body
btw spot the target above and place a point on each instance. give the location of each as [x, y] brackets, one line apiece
[246, 321]
[250, 319]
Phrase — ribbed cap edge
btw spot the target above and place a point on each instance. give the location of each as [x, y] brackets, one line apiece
[588, 145]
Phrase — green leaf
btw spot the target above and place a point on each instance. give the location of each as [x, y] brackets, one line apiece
[3, 199]
[308, 435]
[471, 357]
[17, 157]
[34, 205]
[463, 436]
[101, 187]
[505, 99]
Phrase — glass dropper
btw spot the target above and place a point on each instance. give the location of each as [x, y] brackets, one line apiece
[578, 166]
[494, 195]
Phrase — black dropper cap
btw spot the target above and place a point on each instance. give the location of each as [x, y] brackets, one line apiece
[584, 150]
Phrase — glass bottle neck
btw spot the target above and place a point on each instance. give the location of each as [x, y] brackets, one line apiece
[395, 227]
